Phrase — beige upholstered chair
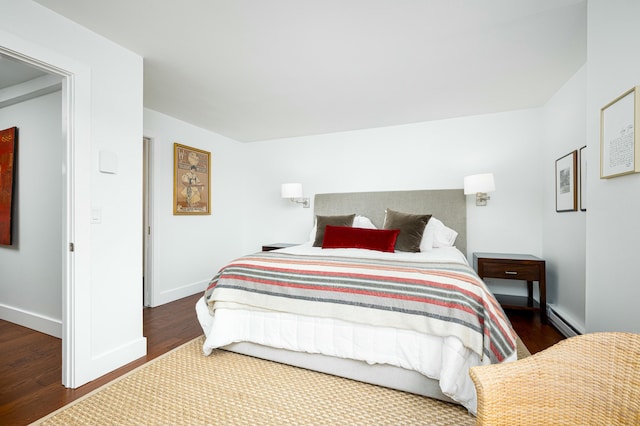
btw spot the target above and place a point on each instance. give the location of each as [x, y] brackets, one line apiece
[592, 379]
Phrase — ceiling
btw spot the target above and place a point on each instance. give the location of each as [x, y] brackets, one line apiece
[263, 69]
[15, 72]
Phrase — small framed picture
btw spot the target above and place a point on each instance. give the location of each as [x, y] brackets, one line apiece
[619, 153]
[566, 179]
[583, 179]
[191, 181]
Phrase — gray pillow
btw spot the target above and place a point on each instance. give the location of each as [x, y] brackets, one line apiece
[411, 228]
[323, 221]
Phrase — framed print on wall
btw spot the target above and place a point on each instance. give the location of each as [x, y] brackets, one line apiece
[619, 153]
[191, 181]
[583, 178]
[566, 193]
[8, 144]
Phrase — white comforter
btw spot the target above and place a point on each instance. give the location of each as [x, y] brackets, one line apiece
[444, 359]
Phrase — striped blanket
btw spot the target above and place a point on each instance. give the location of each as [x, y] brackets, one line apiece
[443, 299]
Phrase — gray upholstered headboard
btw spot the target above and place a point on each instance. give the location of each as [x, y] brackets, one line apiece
[448, 205]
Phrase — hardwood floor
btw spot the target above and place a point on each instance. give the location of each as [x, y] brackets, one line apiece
[535, 335]
[30, 366]
[31, 362]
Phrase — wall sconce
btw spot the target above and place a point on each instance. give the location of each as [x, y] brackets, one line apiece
[293, 191]
[480, 185]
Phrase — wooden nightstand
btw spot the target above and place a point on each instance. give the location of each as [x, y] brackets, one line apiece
[515, 267]
[276, 246]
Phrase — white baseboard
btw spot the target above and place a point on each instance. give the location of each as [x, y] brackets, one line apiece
[559, 322]
[179, 293]
[32, 320]
[109, 361]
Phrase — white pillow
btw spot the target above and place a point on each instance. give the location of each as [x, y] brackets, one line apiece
[437, 234]
[445, 237]
[363, 222]
[358, 222]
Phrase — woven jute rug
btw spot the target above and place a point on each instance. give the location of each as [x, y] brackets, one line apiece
[183, 387]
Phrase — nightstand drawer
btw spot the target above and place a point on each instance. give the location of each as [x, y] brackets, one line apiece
[523, 267]
[511, 271]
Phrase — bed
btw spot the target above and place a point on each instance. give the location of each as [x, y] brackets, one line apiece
[414, 320]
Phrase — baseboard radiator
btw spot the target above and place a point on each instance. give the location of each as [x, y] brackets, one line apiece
[561, 324]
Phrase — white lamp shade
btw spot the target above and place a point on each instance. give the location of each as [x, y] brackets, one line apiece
[291, 190]
[479, 183]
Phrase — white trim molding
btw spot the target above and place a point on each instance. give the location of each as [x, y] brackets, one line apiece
[32, 320]
[560, 320]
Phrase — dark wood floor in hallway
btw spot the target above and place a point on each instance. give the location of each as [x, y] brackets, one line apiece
[30, 366]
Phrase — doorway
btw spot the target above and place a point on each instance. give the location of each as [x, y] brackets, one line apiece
[147, 212]
[32, 100]
[75, 80]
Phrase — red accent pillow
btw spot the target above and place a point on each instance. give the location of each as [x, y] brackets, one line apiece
[363, 238]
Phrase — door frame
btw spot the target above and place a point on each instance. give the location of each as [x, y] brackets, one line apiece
[76, 135]
[147, 228]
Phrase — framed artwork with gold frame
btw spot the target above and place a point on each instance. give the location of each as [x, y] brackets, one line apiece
[619, 151]
[191, 181]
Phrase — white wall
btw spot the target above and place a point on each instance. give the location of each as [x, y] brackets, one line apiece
[248, 212]
[31, 277]
[613, 232]
[188, 250]
[565, 233]
[429, 155]
[105, 327]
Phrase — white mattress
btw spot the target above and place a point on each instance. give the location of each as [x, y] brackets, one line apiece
[441, 358]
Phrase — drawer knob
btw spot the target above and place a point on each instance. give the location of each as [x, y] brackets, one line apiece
[510, 272]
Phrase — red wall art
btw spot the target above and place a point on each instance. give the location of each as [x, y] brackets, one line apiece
[8, 142]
